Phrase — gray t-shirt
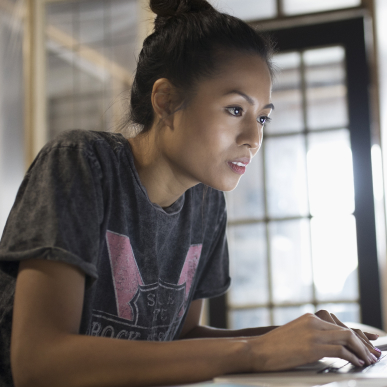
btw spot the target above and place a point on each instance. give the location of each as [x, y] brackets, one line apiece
[82, 202]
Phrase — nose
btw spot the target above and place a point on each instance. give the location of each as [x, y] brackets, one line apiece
[251, 135]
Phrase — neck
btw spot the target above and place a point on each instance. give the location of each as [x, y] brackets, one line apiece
[156, 172]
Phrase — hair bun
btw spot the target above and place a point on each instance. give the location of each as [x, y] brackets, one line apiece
[169, 8]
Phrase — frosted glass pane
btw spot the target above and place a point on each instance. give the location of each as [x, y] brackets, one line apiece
[12, 96]
[246, 201]
[287, 116]
[322, 56]
[60, 15]
[286, 96]
[293, 7]
[91, 18]
[286, 61]
[334, 255]
[286, 176]
[286, 314]
[91, 48]
[249, 318]
[344, 312]
[248, 265]
[247, 9]
[330, 173]
[291, 262]
[326, 91]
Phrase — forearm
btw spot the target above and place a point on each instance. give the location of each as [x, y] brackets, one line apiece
[96, 361]
[203, 331]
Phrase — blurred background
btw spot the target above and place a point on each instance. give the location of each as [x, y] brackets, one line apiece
[307, 223]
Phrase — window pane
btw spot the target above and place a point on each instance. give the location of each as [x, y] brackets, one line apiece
[91, 19]
[249, 318]
[286, 176]
[293, 7]
[344, 312]
[90, 49]
[60, 15]
[286, 95]
[326, 91]
[125, 25]
[330, 173]
[247, 200]
[248, 265]
[12, 98]
[291, 261]
[60, 82]
[247, 9]
[334, 255]
[286, 314]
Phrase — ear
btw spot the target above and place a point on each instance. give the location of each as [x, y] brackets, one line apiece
[164, 100]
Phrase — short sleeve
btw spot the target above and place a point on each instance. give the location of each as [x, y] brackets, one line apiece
[215, 279]
[57, 213]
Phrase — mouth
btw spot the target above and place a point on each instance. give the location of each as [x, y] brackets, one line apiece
[237, 167]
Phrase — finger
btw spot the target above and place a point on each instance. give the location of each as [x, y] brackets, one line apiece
[326, 316]
[369, 345]
[361, 336]
[348, 339]
[337, 321]
[371, 336]
[343, 353]
[335, 334]
[359, 332]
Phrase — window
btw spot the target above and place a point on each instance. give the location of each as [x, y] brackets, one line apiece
[301, 222]
[282, 261]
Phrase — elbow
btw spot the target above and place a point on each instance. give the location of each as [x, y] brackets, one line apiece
[27, 369]
[23, 377]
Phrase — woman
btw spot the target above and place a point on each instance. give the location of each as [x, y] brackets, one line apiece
[114, 238]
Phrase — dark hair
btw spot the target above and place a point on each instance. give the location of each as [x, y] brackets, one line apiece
[187, 44]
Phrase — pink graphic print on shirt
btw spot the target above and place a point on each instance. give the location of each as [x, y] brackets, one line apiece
[127, 278]
[126, 275]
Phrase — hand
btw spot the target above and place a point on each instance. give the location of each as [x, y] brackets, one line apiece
[306, 340]
[364, 336]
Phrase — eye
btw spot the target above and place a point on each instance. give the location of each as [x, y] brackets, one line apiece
[235, 111]
[263, 120]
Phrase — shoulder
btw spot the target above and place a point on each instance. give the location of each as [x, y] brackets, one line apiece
[85, 139]
[75, 149]
[97, 147]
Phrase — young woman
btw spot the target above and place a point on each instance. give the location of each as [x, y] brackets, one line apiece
[113, 243]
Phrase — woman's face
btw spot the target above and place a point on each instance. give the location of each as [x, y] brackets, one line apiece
[213, 139]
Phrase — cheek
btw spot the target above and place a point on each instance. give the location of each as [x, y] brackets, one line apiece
[209, 138]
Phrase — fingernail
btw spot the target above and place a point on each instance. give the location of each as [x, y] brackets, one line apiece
[361, 362]
[377, 349]
[374, 357]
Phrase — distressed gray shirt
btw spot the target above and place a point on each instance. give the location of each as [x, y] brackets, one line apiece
[82, 202]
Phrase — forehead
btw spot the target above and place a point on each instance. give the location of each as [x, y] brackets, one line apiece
[247, 73]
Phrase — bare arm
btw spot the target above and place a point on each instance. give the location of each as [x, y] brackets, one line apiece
[47, 350]
[192, 328]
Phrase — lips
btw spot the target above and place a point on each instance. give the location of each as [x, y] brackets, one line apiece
[239, 165]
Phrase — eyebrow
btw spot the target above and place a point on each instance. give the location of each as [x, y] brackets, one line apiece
[249, 99]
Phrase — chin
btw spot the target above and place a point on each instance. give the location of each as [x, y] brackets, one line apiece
[224, 186]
